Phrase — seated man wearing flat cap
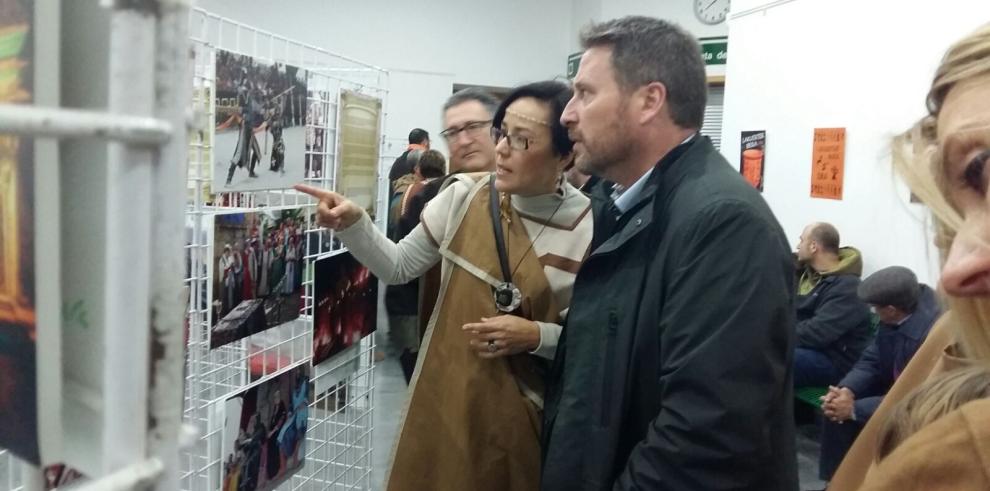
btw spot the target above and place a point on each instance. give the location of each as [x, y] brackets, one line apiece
[906, 310]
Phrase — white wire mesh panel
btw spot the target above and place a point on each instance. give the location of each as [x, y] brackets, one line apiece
[338, 436]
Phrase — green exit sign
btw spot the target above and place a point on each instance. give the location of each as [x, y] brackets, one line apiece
[714, 50]
[572, 64]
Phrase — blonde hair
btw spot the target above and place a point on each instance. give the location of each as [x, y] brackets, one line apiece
[917, 158]
[929, 402]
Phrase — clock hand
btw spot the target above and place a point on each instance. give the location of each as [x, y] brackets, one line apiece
[710, 4]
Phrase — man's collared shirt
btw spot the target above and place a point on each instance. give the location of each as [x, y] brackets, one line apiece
[623, 198]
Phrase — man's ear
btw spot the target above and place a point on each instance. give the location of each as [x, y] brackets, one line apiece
[651, 101]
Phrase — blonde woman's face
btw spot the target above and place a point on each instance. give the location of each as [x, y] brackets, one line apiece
[964, 140]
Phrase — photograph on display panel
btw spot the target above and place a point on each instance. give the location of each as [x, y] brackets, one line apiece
[345, 305]
[259, 124]
[257, 272]
[316, 132]
[264, 432]
[357, 176]
[18, 324]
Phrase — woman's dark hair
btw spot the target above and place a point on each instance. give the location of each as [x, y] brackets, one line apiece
[556, 94]
[432, 164]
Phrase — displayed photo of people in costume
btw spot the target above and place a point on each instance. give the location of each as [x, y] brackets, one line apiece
[257, 272]
[264, 433]
[260, 120]
[345, 305]
[18, 350]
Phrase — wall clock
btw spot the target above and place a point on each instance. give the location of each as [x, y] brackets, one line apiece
[711, 11]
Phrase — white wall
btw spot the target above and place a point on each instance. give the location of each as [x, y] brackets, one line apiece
[842, 63]
[473, 42]
[583, 12]
[680, 12]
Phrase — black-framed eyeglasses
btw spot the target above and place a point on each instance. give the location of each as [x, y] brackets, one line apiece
[472, 128]
[516, 142]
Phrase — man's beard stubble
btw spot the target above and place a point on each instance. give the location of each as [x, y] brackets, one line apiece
[609, 151]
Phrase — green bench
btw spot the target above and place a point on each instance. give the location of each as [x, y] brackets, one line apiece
[812, 395]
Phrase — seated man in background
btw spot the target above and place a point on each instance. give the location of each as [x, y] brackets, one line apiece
[907, 311]
[833, 325]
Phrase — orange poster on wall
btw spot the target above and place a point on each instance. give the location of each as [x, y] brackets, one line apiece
[828, 161]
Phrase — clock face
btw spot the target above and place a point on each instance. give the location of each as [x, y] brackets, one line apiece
[711, 11]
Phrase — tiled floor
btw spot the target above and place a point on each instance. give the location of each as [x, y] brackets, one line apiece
[390, 397]
[807, 457]
[390, 393]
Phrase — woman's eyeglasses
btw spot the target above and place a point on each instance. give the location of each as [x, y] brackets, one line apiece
[516, 142]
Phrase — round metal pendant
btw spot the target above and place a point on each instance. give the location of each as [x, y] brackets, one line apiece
[507, 297]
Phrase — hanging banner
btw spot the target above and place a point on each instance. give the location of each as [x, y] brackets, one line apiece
[828, 160]
[751, 157]
[359, 143]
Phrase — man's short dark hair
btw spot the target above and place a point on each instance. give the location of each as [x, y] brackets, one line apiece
[472, 94]
[418, 136]
[432, 164]
[646, 50]
[412, 158]
[826, 236]
[555, 94]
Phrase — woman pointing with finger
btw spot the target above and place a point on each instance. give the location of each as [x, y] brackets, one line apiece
[510, 244]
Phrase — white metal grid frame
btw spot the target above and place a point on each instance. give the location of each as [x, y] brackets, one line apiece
[339, 434]
[141, 123]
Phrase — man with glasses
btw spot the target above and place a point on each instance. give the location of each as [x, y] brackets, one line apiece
[673, 370]
[467, 122]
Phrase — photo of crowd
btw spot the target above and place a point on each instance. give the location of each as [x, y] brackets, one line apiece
[264, 434]
[259, 123]
[258, 272]
[345, 297]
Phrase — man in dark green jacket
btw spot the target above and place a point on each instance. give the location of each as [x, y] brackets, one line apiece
[833, 324]
[674, 368]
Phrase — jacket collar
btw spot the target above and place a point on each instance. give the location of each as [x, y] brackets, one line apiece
[917, 326]
[668, 170]
[666, 174]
